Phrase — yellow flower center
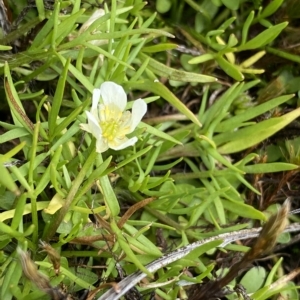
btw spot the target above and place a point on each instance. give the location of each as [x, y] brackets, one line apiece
[114, 123]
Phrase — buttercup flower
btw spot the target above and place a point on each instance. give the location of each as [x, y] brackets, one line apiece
[107, 120]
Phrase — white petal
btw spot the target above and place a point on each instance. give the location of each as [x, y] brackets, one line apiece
[85, 127]
[139, 109]
[123, 145]
[95, 16]
[94, 126]
[101, 146]
[95, 101]
[113, 93]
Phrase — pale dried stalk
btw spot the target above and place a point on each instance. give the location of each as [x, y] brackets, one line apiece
[130, 281]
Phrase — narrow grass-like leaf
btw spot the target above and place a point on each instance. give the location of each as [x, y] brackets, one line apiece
[216, 155]
[252, 135]
[159, 133]
[19, 211]
[110, 199]
[263, 38]
[53, 35]
[66, 26]
[201, 59]
[70, 118]
[164, 92]
[43, 182]
[251, 113]
[11, 232]
[284, 54]
[144, 246]
[43, 33]
[84, 81]
[12, 276]
[159, 48]
[128, 160]
[7, 181]
[231, 4]
[198, 210]
[142, 239]
[27, 210]
[140, 71]
[167, 166]
[73, 277]
[13, 134]
[5, 48]
[100, 171]
[71, 195]
[269, 10]
[66, 137]
[173, 74]
[57, 100]
[268, 168]
[20, 32]
[273, 272]
[243, 210]
[41, 9]
[222, 104]
[18, 112]
[196, 253]
[126, 248]
[230, 69]
[53, 167]
[17, 174]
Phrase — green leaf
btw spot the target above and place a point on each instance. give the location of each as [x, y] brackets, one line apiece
[9, 214]
[70, 118]
[126, 248]
[230, 69]
[263, 38]
[41, 9]
[268, 168]
[252, 135]
[253, 279]
[251, 113]
[196, 253]
[18, 113]
[109, 196]
[243, 210]
[159, 133]
[173, 74]
[159, 48]
[13, 274]
[4, 48]
[73, 277]
[66, 26]
[246, 27]
[151, 248]
[201, 59]
[161, 90]
[13, 134]
[7, 181]
[163, 6]
[222, 105]
[231, 4]
[269, 10]
[78, 75]
[57, 100]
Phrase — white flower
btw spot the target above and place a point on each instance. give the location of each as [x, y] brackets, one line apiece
[107, 120]
[94, 17]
